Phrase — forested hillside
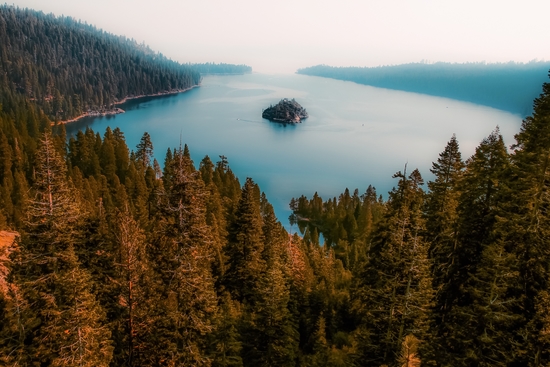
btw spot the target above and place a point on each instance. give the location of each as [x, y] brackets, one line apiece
[507, 86]
[67, 67]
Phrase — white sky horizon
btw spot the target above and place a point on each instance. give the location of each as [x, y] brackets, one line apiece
[282, 36]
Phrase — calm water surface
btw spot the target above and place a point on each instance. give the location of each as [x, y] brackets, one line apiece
[356, 135]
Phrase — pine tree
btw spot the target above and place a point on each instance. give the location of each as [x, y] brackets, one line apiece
[144, 152]
[225, 345]
[481, 193]
[441, 211]
[168, 170]
[121, 154]
[320, 346]
[70, 331]
[134, 287]
[269, 338]
[524, 224]
[215, 218]
[107, 158]
[228, 186]
[76, 329]
[16, 317]
[245, 247]
[274, 235]
[489, 325]
[138, 192]
[538, 328]
[185, 263]
[393, 293]
[14, 308]
[441, 216]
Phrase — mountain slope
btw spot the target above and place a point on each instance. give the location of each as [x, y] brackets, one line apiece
[68, 67]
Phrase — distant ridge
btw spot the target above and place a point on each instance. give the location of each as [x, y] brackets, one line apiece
[506, 86]
[209, 68]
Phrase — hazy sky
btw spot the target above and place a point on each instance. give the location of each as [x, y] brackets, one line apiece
[283, 35]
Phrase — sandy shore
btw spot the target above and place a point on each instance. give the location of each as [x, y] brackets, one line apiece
[116, 111]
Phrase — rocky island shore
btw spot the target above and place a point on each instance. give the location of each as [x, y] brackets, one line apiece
[286, 111]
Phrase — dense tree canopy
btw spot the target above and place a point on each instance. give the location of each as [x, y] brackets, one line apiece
[68, 67]
[118, 261]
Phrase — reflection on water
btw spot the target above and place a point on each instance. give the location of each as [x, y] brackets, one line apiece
[355, 136]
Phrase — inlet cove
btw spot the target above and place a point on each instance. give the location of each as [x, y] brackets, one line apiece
[355, 135]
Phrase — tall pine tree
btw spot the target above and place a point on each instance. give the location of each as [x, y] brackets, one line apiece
[481, 194]
[393, 293]
[524, 224]
[245, 246]
[71, 329]
[186, 317]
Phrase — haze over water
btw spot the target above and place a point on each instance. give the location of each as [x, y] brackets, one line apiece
[284, 35]
[356, 135]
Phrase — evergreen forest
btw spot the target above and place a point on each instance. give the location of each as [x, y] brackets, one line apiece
[67, 67]
[111, 258]
[506, 86]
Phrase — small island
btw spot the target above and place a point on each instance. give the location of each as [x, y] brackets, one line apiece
[286, 111]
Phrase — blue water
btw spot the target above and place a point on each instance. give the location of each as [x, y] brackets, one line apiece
[355, 135]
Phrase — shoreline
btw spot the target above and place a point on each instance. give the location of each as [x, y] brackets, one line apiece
[116, 111]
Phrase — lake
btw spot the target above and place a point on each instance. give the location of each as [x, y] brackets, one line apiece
[355, 135]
